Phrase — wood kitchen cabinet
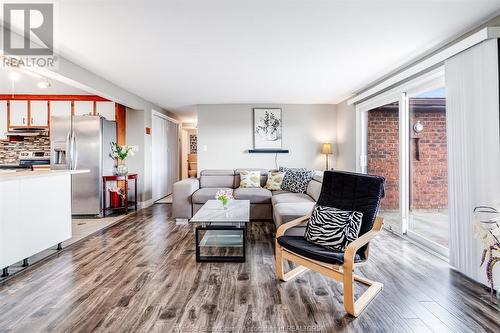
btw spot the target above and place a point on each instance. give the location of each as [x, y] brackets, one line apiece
[60, 108]
[106, 109]
[83, 108]
[3, 120]
[18, 115]
[39, 114]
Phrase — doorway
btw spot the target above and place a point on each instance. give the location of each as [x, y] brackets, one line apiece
[165, 155]
[403, 138]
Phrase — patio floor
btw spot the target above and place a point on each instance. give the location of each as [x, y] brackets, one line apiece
[432, 225]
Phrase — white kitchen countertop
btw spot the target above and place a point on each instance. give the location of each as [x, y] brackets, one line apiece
[6, 176]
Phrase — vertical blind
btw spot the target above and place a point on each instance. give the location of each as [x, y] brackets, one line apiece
[472, 85]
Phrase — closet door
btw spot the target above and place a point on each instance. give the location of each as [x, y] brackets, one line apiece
[173, 155]
[160, 157]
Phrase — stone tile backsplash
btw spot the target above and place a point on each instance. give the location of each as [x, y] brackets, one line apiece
[9, 150]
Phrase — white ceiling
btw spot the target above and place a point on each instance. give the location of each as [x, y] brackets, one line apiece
[181, 53]
[28, 84]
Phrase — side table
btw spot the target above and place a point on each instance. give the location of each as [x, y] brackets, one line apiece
[127, 202]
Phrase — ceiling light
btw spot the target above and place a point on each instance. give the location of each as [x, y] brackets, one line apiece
[44, 84]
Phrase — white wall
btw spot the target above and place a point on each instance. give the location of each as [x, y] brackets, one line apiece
[226, 130]
[139, 116]
[346, 137]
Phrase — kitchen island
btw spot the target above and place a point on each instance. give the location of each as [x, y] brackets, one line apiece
[35, 213]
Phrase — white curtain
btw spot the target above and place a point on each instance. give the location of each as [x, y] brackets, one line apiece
[472, 83]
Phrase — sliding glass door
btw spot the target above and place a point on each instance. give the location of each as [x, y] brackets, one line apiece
[403, 138]
[382, 152]
[428, 167]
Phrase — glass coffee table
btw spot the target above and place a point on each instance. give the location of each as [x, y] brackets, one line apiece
[221, 233]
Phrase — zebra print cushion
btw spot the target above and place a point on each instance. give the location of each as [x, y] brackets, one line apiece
[333, 228]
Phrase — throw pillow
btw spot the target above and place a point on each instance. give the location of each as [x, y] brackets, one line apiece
[249, 179]
[296, 180]
[333, 228]
[274, 180]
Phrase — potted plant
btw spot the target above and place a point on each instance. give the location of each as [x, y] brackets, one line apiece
[120, 153]
[487, 229]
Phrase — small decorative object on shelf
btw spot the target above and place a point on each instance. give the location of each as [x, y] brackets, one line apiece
[487, 229]
[120, 153]
[116, 197]
[224, 196]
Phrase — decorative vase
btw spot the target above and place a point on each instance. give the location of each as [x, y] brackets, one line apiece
[271, 134]
[224, 203]
[121, 169]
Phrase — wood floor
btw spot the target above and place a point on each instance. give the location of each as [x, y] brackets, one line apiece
[141, 276]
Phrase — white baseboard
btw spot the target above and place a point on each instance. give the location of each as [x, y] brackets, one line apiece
[145, 204]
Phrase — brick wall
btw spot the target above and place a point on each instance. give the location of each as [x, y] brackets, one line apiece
[383, 152]
[429, 179]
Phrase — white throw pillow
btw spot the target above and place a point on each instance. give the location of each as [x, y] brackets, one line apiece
[249, 178]
[274, 180]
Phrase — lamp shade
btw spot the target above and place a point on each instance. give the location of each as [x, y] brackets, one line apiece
[326, 148]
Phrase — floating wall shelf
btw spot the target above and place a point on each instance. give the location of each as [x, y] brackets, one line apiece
[268, 151]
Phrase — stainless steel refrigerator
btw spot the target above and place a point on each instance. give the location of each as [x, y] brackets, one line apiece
[83, 142]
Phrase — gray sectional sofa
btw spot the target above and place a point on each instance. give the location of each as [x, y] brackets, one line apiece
[280, 206]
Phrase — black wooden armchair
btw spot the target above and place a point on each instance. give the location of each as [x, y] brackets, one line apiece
[345, 191]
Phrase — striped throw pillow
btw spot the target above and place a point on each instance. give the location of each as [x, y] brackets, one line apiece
[333, 228]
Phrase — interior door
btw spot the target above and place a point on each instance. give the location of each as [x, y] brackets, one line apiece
[173, 155]
[160, 157]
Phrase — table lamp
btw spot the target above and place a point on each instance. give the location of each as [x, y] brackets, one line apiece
[326, 148]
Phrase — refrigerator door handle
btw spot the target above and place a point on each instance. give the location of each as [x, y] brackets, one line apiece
[74, 153]
[68, 151]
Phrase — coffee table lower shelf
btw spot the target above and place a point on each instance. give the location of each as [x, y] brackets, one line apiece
[213, 236]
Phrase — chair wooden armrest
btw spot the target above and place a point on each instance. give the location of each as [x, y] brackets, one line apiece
[354, 246]
[285, 226]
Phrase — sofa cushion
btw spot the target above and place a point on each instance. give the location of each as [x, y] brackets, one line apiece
[255, 195]
[263, 176]
[286, 212]
[202, 195]
[314, 189]
[291, 198]
[299, 245]
[274, 180]
[296, 180]
[217, 172]
[249, 179]
[217, 181]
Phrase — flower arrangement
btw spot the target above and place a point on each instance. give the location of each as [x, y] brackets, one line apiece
[224, 196]
[121, 152]
[489, 234]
